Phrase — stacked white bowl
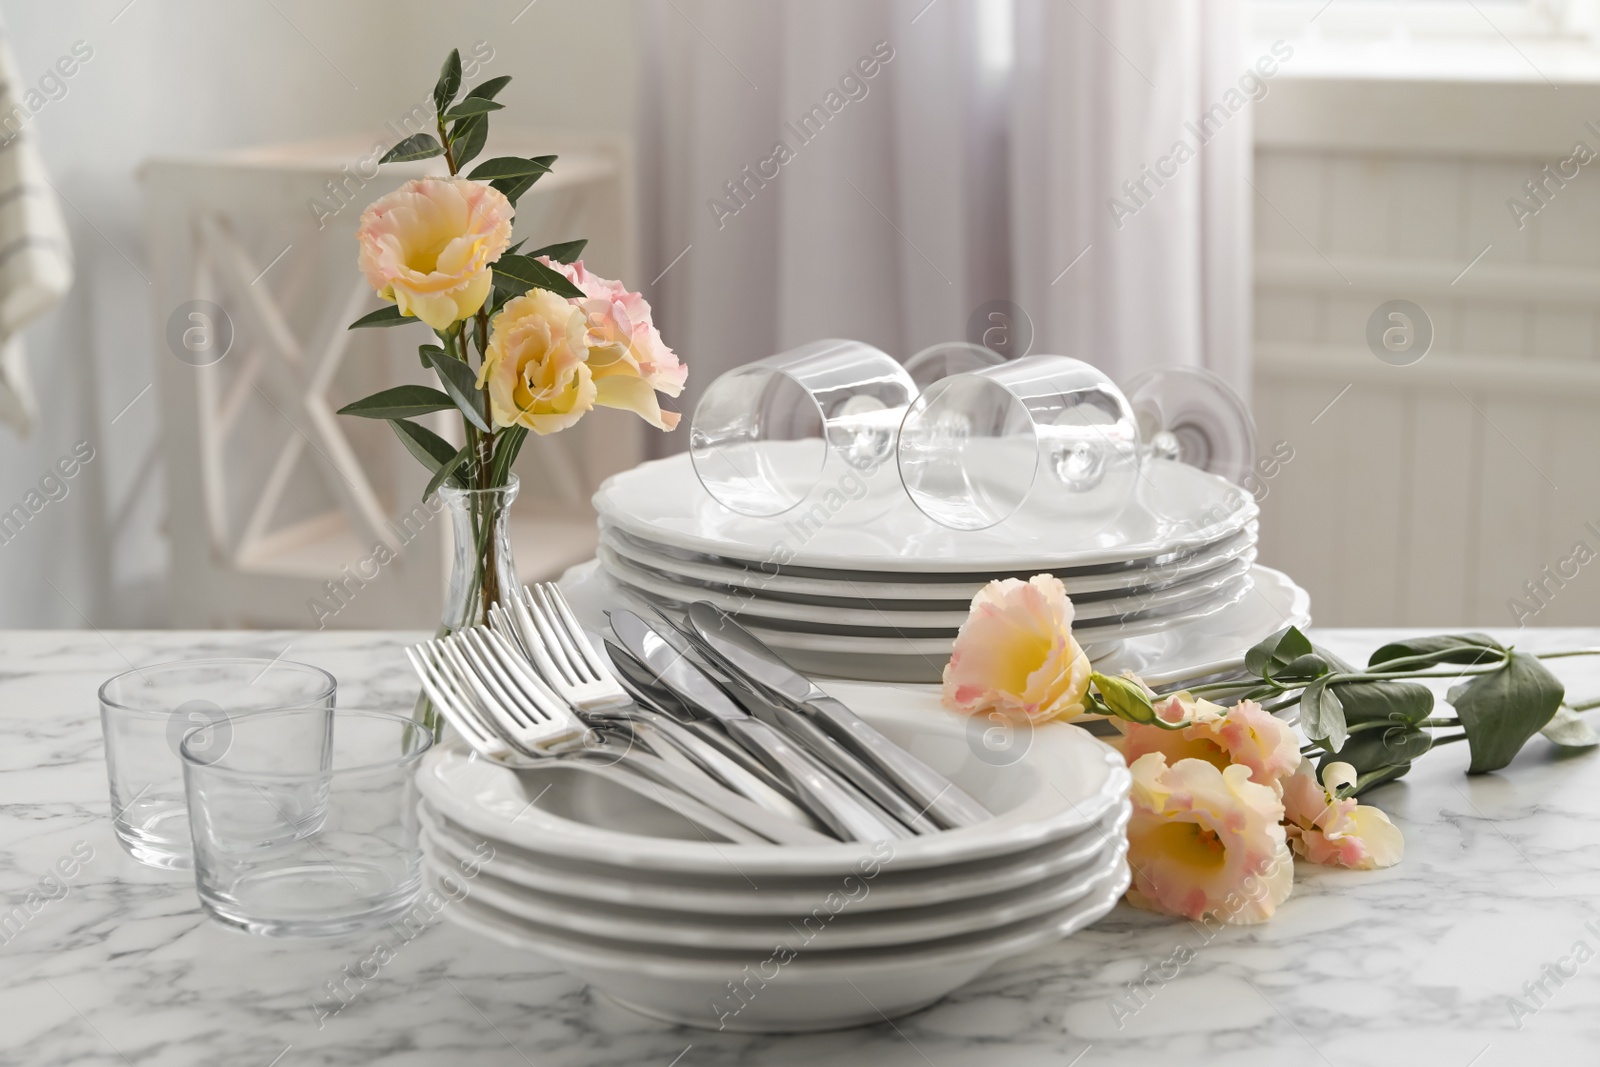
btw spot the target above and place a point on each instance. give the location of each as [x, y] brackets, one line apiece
[678, 925]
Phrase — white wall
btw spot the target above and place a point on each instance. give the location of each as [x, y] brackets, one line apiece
[179, 76]
[1431, 494]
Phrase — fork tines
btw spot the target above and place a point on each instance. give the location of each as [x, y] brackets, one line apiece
[480, 675]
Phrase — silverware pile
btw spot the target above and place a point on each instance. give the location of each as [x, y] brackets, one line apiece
[699, 715]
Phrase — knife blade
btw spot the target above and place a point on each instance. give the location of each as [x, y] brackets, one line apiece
[944, 801]
[847, 817]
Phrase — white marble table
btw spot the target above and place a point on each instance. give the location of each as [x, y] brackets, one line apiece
[1413, 965]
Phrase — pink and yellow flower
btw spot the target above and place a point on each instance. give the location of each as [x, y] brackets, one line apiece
[1205, 840]
[1015, 654]
[627, 357]
[1243, 734]
[428, 246]
[1334, 832]
[535, 370]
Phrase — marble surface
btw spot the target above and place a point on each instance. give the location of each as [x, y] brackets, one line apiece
[1499, 892]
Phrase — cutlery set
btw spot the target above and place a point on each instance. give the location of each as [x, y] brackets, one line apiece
[701, 716]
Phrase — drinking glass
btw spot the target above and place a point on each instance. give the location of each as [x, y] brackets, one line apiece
[816, 422]
[1191, 415]
[301, 835]
[947, 358]
[1047, 444]
[144, 714]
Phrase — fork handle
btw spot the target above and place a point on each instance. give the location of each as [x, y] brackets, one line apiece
[724, 802]
[845, 815]
[710, 759]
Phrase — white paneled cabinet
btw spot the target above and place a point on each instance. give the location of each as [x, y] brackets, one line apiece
[1431, 494]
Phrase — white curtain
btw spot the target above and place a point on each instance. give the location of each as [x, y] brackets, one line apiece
[977, 163]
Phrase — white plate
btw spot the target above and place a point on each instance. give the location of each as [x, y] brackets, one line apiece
[889, 639]
[756, 609]
[951, 588]
[658, 928]
[1175, 507]
[790, 990]
[606, 885]
[1177, 654]
[1065, 781]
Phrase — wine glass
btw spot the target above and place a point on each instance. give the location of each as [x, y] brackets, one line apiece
[795, 426]
[1046, 444]
[947, 358]
[1191, 415]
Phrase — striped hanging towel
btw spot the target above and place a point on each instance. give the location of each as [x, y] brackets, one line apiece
[35, 251]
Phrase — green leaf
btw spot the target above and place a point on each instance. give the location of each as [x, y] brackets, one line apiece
[445, 470]
[510, 167]
[1568, 730]
[1501, 710]
[508, 444]
[467, 138]
[561, 251]
[1279, 650]
[417, 146]
[1373, 779]
[1398, 702]
[513, 188]
[386, 316]
[401, 402]
[1373, 750]
[1443, 648]
[468, 108]
[430, 449]
[459, 381]
[445, 89]
[1126, 700]
[523, 273]
[489, 89]
[1322, 715]
[1307, 668]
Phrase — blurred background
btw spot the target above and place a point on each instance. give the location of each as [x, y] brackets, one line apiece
[1258, 187]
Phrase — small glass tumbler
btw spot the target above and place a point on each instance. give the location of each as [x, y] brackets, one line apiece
[816, 423]
[296, 837]
[144, 715]
[1047, 444]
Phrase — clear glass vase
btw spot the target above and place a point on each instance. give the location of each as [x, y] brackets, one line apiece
[483, 571]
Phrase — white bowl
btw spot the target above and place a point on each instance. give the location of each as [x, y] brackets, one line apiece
[785, 988]
[662, 927]
[1065, 781]
[778, 895]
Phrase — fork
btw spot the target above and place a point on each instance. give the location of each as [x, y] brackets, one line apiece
[543, 627]
[484, 690]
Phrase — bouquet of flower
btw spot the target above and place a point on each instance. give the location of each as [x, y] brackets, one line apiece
[1225, 797]
[525, 341]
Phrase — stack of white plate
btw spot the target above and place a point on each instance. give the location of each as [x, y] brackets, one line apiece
[653, 913]
[883, 599]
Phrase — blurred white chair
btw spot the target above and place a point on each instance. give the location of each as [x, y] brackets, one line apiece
[277, 505]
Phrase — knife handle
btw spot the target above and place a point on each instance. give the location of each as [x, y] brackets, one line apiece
[822, 745]
[837, 809]
[944, 801]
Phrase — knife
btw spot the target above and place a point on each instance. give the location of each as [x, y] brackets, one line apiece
[740, 650]
[847, 817]
[646, 691]
[829, 752]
